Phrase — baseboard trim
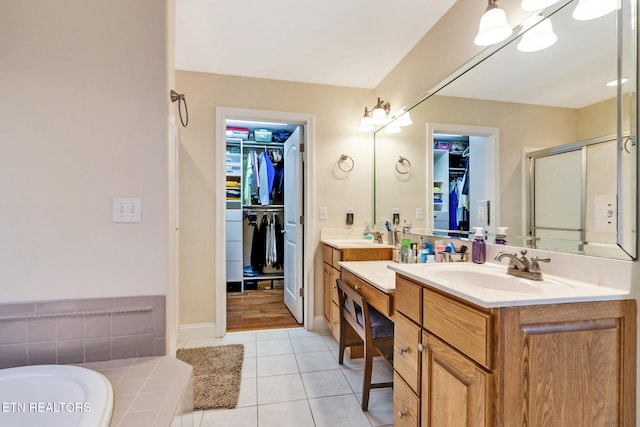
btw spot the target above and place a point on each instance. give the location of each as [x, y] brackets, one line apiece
[320, 324]
[196, 331]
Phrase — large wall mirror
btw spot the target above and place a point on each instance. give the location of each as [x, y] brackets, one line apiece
[511, 137]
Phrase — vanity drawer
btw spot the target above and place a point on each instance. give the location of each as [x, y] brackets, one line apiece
[408, 298]
[331, 256]
[406, 405]
[375, 297]
[406, 357]
[467, 329]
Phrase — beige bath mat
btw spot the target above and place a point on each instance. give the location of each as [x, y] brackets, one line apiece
[216, 374]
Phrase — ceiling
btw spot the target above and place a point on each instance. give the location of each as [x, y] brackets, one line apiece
[353, 43]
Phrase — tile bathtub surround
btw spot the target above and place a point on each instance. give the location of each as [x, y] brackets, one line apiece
[291, 377]
[149, 391]
[83, 330]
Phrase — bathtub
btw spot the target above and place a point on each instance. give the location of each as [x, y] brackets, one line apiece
[54, 395]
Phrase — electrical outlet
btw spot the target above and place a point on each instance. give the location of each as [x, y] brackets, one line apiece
[418, 213]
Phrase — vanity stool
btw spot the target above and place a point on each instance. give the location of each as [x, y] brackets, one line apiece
[374, 330]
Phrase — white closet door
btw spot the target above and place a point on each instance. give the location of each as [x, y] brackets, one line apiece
[292, 228]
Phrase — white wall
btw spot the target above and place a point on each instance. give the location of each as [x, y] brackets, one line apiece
[83, 119]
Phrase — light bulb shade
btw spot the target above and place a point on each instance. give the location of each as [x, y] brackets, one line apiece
[592, 9]
[404, 120]
[379, 116]
[539, 37]
[366, 124]
[493, 27]
[535, 5]
[392, 128]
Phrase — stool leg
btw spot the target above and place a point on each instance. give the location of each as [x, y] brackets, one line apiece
[366, 380]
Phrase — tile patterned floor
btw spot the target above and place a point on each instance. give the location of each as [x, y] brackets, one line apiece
[291, 377]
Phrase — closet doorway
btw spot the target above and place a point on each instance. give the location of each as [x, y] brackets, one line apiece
[263, 247]
[465, 185]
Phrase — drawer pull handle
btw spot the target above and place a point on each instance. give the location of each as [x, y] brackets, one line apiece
[357, 287]
[334, 286]
[402, 350]
[401, 414]
[420, 347]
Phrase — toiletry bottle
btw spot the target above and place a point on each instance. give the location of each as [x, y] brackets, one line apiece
[501, 236]
[478, 247]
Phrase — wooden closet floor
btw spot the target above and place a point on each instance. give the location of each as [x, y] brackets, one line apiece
[261, 309]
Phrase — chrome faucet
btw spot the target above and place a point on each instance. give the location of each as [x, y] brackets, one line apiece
[528, 268]
[377, 236]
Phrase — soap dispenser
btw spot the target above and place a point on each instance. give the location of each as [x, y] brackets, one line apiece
[478, 247]
[501, 236]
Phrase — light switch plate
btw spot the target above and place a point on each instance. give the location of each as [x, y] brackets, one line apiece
[127, 209]
[605, 215]
[324, 213]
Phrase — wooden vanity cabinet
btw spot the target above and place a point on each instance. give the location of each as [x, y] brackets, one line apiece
[544, 365]
[332, 271]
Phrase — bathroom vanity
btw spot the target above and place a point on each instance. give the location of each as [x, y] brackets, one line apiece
[335, 251]
[495, 357]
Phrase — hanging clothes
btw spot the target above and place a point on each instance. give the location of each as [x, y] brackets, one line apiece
[279, 244]
[277, 195]
[265, 173]
[453, 206]
[249, 176]
[258, 245]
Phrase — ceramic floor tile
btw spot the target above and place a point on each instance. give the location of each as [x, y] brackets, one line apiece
[355, 376]
[286, 414]
[325, 383]
[248, 392]
[316, 361]
[338, 411]
[302, 345]
[380, 411]
[274, 347]
[302, 333]
[272, 334]
[281, 364]
[250, 348]
[249, 367]
[280, 388]
[239, 417]
[239, 337]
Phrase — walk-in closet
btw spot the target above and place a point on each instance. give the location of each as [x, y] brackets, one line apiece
[460, 196]
[255, 223]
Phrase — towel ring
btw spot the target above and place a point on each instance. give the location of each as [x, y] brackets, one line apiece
[344, 158]
[400, 165]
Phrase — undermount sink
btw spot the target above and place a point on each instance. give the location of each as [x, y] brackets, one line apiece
[485, 277]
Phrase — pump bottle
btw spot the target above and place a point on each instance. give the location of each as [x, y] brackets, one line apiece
[478, 247]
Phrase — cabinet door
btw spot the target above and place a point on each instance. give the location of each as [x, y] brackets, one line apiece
[455, 390]
[328, 282]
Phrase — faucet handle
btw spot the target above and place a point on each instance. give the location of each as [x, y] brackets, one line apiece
[535, 267]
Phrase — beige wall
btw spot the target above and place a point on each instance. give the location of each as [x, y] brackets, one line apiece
[83, 119]
[336, 111]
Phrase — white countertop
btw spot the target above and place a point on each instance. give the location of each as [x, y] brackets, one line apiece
[482, 287]
[377, 273]
[353, 243]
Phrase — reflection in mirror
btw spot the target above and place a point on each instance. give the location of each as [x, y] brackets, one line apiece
[527, 102]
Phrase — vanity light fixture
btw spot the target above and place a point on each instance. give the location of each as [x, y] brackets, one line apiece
[538, 34]
[535, 5]
[376, 116]
[392, 128]
[493, 26]
[614, 83]
[404, 119]
[592, 9]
